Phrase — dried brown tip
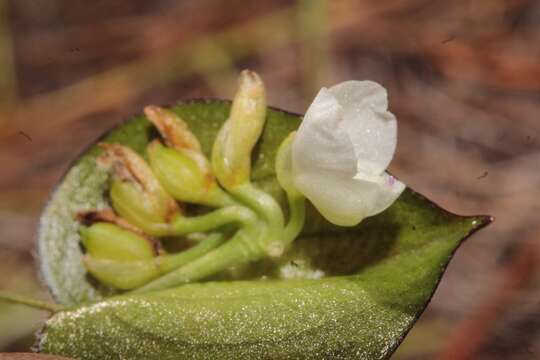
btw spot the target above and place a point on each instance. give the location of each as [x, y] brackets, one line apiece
[127, 165]
[93, 216]
[172, 128]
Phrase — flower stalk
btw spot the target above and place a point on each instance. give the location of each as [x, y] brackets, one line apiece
[30, 302]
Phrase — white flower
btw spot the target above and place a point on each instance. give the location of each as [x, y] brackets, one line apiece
[342, 149]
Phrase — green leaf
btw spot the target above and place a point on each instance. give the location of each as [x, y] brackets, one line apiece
[379, 276]
[29, 356]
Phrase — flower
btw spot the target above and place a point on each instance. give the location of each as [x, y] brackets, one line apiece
[342, 149]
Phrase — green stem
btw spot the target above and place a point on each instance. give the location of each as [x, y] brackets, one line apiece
[234, 252]
[168, 263]
[297, 217]
[267, 207]
[24, 300]
[219, 198]
[230, 214]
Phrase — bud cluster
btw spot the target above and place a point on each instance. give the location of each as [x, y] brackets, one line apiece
[148, 195]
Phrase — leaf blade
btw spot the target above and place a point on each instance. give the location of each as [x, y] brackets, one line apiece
[337, 317]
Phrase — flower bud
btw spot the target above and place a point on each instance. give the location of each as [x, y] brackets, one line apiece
[231, 154]
[135, 192]
[177, 135]
[118, 257]
[123, 275]
[182, 177]
[109, 241]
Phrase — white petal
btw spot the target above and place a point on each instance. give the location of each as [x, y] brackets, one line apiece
[320, 144]
[372, 129]
[361, 93]
[345, 201]
[374, 138]
[389, 189]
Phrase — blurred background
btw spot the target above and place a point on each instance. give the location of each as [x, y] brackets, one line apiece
[463, 79]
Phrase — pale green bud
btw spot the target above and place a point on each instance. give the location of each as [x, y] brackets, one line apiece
[231, 154]
[177, 135]
[135, 193]
[148, 212]
[123, 275]
[118, 257]
[182, 177]
[109, 241]
[182, 167]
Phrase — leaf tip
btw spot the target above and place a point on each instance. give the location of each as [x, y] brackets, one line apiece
[479, 222]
